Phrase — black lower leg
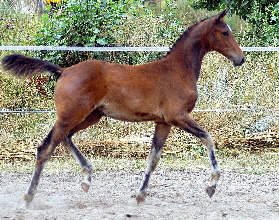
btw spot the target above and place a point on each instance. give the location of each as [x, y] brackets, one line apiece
[75, 151]
[44, 151]
[213, 160]
[145, 182]
[160, 136]
[85, 165]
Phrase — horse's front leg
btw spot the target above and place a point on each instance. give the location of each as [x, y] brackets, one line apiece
[161, 133]
[189, 125]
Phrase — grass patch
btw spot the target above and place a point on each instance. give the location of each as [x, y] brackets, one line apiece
[241, 161]
[21, 134]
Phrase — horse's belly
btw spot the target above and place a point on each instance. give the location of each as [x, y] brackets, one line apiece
[124, 114]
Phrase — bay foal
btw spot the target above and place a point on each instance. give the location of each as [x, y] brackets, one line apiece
[163, 91]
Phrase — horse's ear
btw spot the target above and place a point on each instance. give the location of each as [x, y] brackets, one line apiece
[221, 15]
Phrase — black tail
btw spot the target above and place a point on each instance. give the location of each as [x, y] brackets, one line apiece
[22, 66]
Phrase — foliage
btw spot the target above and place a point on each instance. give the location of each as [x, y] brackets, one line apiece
[262, 14]
[220, 85]
[80, 23]
[265, 20]
[53, 1]
[16, 29]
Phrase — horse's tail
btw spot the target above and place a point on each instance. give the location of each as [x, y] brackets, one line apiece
[22, 66]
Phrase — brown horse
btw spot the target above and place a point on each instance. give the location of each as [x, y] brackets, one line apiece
[163, 91]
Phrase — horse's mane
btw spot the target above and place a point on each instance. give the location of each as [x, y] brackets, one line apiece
[185, 34]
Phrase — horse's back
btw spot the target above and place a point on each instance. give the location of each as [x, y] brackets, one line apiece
[123, 92]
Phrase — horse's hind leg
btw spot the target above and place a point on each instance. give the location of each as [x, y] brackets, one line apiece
[93, 118]
[83, 162]
[192, 127]
[160, 136]
[44, 151]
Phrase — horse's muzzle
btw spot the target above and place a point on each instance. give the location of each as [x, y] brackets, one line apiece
[239, 63]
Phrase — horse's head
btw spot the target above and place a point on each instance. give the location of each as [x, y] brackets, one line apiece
[221, 39]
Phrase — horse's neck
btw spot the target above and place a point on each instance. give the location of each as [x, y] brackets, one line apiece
[189, 53]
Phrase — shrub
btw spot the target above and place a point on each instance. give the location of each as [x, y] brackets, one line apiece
[80, 23]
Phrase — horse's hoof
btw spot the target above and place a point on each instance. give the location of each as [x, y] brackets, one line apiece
[210, 190]
[85, 186]
[27, 198]
[141, 197]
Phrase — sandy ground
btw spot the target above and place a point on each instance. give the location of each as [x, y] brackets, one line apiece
[172, 195]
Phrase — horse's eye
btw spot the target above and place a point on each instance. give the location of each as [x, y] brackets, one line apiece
[225, 33]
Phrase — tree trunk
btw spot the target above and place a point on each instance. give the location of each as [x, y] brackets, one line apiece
[40, 7]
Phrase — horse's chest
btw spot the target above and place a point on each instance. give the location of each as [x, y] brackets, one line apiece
[182, 99]
[183, 94]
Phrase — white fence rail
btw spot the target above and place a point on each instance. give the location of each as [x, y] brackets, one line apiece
[195, 110]
[120, 49]
[128, 49]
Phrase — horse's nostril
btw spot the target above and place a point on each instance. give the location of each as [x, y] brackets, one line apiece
[238, 62]
[242, 61]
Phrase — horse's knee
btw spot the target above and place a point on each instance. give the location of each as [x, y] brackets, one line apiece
[206, 139]
[40, 150]
[60, 133]
[46, 142]
[66, 141]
